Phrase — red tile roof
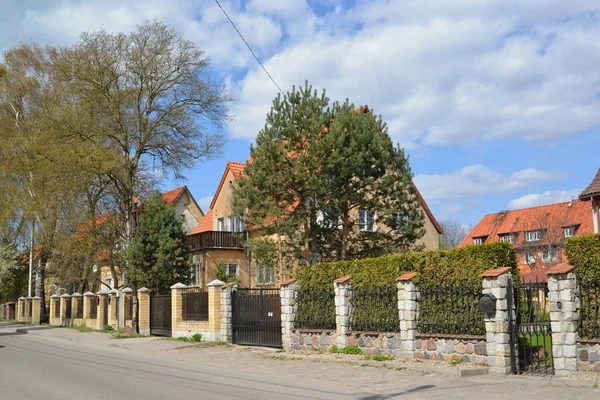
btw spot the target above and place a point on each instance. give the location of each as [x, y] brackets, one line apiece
[205, 224]
[237, 169]
[537, 275]
[437, 226]
[171, 196]
[552, 217]
[593, 188]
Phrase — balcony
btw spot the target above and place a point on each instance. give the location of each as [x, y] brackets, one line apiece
[217, 240]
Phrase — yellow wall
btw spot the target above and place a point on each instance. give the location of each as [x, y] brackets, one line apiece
[223, 204]
[188, 208]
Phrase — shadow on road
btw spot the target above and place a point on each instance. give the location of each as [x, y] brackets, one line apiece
[393, 395]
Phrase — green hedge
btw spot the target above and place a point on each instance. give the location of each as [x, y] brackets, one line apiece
[583, 252]
[440, 266]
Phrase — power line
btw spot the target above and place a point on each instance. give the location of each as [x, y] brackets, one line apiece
[249, 48]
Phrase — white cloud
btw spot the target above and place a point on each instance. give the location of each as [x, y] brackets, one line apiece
[548, 197]
[204, 203]
[476, 180]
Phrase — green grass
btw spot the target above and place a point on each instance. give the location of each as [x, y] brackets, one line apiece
[346, 350]
[380, 357]
[196, 337]
[130, 336]
[85, 329]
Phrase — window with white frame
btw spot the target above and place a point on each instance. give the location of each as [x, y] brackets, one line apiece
[235, 223]
[265, 274]
[232, 270]
[221, 224]
[399, 221]
[108, 282]
[366, 221]
[549, 254]
[533, 236]
[506, 237]
[569, 231]
[478, 240]
[529, 258]
[328, 219]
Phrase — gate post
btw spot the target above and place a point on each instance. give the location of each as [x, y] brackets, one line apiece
[54, 304]
[101, 321]
[215, 308]
[226, 311]
[288, 312]
[342, 287]
[564, 316]
[408, 312]
[36, 307]
[144, 310]
[112, 308]
[496, 282]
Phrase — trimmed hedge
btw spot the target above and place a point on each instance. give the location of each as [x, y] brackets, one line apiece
[440, 266]
[583, 252]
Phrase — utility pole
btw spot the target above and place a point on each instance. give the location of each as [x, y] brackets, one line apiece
[31, 243]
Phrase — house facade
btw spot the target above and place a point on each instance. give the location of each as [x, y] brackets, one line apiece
[538, 233]
[217, 242]
[591, 194]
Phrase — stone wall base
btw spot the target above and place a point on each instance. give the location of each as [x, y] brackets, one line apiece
[588, 357]
[469, 350]
[376, 343]
[308, 340]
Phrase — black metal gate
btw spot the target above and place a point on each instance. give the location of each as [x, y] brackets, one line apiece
[160, 314]
[256, 317]
[530, 332]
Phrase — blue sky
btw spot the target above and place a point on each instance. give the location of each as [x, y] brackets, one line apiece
[497, 102]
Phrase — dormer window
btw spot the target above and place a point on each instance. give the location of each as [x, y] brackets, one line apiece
[479, 240]
[569, 231]
[533, 236]
[506, 237]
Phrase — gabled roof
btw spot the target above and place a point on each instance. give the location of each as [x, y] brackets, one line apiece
[237, 169]
[437, 226]
[171, 196]
[554, 216]
[205, 224]
[593, 188]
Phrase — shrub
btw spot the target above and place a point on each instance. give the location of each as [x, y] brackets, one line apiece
[345, 350]
[441, 266]
[583, 252]
[196, 337]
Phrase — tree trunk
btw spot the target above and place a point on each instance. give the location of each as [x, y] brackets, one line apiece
[345, 232]
[306, 233]
[134, 308]
[280, 255]
[39, 284]
[313, 233]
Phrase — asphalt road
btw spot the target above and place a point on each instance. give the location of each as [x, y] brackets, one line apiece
[37, 367]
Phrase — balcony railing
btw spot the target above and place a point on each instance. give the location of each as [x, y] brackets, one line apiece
[217, 240]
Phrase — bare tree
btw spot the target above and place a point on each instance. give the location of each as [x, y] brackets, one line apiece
[454, 233]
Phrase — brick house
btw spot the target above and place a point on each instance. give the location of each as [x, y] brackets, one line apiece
[218, 238]
[538, 233]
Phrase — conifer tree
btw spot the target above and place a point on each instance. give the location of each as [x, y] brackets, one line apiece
[160, 253]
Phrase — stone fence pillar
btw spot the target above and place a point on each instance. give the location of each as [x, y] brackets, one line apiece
[54, 310]
[21, 309]
[215, 306]
[408, 311]
[88, 297]
[343, 309]
[101, 316]
[288, 294]
[144, 310]
[65, 308]
[227, 311]
[112, 308]
[496, 282]
[565, 306]
[36, 308]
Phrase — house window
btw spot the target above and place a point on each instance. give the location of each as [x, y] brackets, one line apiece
[478, 240]
[235, 223]
[507, 237]
[108, 282]
[265, 274]
[569, 231]
[399, 221]
[221, 224]
[366, 221]
[529, 258]
[232, 270]
[328, 219]
[533, 236]
[549, 254]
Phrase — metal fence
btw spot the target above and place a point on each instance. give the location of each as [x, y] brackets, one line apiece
[589, 321]
[451, 309]
[57, 308]
[79, 313]
[375, 309]
[194, 305]
[93, 307]
[316, 309]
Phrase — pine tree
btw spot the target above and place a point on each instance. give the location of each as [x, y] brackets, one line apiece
[159, 256]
